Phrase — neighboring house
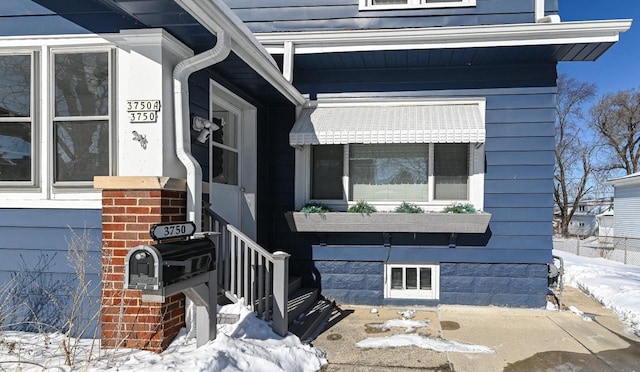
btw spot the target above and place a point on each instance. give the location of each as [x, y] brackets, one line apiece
[605, 225]
[626, 221]
[340, 101]
[586, 217]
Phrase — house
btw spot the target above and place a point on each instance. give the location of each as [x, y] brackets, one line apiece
[585, 220]
[626, 224]
[119, 110]
[605, 225]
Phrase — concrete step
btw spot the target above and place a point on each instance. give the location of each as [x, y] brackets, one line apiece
[308, 325]
[300, 301]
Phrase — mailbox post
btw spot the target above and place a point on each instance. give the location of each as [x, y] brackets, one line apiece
[188, 266]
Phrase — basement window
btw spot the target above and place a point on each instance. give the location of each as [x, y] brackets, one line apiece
[412, 281]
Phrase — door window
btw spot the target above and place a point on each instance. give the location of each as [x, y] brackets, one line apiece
[225, 147]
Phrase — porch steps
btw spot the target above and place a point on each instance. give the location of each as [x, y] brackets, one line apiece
[308, 311]
[308, 325]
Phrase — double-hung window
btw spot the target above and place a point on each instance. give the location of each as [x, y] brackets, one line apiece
[399, 4]
[81, 106]
[56, 120]
[426, 153]
[17, 132]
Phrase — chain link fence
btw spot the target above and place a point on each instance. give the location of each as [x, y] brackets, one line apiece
[616, 248]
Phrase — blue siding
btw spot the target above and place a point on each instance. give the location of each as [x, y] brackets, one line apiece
[515, 254]
[291, 15]
[519, 153]
[35, 260]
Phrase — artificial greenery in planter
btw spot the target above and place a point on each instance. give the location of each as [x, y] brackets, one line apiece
[460, 208]
[362, 207]
[315, 217]
[408, 208]
[314, 207]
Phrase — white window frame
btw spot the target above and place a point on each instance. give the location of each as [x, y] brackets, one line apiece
[432, 294]
[62, 186]
[43, 194]
[416, 4]
[475, 183]
[31, 119]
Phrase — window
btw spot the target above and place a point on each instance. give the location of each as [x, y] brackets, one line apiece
[225, 147]
[327, 172]
[395, 4]
[17, 159]
[451, 171]
[390, 172]
[412, 281]
[385, 151]
[81, 124]
[56, 119]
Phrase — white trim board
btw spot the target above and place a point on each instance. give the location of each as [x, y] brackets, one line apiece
[525, 34]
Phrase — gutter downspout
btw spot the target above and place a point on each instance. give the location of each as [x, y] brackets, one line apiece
[539, 13]
[181, 74]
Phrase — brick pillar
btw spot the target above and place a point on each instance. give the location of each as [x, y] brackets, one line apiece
[130, 206]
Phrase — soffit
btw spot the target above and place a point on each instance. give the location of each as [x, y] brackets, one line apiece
[166, 14]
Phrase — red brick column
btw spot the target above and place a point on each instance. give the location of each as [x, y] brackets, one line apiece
[130, 206]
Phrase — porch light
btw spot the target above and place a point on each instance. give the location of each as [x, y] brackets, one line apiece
[205, 127]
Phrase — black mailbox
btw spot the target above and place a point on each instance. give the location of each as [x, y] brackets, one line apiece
[153, 267]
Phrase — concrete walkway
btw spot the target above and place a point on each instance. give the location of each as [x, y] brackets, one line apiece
[523, 339]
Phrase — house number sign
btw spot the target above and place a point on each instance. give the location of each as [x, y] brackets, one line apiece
[143, 111]
[161, 231]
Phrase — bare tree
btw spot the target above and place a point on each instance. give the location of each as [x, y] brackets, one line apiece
[616, 120]
[573, 155]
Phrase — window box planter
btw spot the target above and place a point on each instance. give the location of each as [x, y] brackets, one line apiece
[430, 222]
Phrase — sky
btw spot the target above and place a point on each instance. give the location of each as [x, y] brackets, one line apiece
[619, 68]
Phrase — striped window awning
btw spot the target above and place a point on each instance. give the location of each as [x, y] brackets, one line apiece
[402, 123]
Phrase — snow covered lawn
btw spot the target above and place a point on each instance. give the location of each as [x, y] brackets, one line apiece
[247, 345]
[615, 285]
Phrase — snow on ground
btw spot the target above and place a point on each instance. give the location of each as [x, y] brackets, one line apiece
[409, 325]
[423, 342]
[615, 285]
[247, 345]
[250, 345]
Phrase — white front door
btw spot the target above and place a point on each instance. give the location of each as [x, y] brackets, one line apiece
[232, 165]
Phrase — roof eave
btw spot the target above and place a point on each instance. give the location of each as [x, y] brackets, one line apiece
[506, 35]
[213, 14]
[624, 181]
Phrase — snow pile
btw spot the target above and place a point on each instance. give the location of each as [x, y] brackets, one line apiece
[423, 342]
[417, 340]
[615, 285]
[247, 345]
[409, 325]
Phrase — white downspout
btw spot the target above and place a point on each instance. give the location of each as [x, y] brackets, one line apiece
[538, 9]
[181, 74]
[539, 13]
